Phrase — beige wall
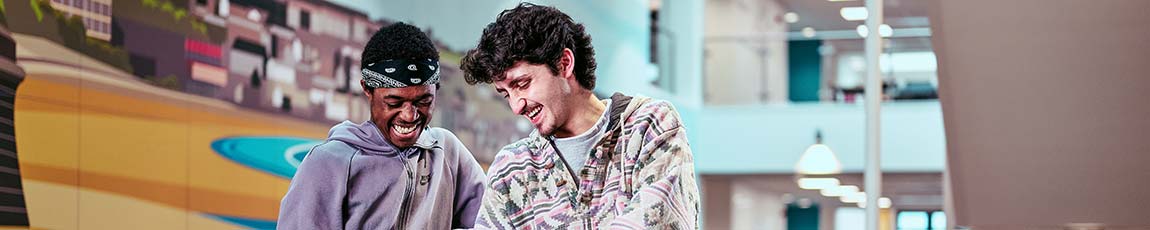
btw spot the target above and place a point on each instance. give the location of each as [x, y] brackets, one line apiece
[716, 191]
[1045, 110]
[754, 208]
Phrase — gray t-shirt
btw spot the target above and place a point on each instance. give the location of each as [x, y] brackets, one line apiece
[577, 149]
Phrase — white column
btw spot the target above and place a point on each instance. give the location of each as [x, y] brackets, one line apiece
[873, 173]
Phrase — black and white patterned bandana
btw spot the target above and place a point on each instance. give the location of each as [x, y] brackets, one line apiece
[399, 73]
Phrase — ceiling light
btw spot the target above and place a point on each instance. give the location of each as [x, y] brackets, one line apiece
[818, 183]
[818, 159]
[839, 190]
[885, 31]
[808, 32]
[884, 202]
[791, 17]
[853, 197]
[855, 13]
[805, 203]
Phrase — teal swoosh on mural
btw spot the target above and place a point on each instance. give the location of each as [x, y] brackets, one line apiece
[278, 156]
[245, 222]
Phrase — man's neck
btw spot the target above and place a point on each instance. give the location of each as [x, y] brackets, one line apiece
[583, 117]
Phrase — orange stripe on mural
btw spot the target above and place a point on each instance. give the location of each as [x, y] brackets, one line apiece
[180, 196]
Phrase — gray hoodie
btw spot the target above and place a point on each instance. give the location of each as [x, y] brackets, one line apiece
[357, 180]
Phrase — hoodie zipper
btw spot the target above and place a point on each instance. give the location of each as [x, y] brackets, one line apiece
[416, 179]
[408, 191]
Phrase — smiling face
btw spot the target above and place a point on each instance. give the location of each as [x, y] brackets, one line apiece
[539, 95]
[401, 113]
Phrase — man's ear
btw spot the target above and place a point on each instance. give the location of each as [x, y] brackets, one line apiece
[567, 63]
[366, 91]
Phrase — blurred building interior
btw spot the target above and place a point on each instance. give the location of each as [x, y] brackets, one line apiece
[1019, 114]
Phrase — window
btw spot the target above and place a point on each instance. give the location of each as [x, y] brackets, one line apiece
[654, 15]
[304, 19]
[275, 46]
[850, 219]
[920, 220]
[662, 47]
[938, 220]
[912, 220]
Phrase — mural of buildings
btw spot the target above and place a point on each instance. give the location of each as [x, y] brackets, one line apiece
[291, 57]
[97, 15]
[142, 122]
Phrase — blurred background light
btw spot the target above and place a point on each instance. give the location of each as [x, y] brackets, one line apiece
[791, 17]
[839, 190]
[818, 159]
[817, 183]
[808, 32]
[857, 13]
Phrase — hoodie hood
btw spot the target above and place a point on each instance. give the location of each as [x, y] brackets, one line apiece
[367, 137]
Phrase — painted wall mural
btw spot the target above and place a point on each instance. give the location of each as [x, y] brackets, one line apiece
[187, 114]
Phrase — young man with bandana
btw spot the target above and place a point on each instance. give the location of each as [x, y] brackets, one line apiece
[621, 162]
[391, 172]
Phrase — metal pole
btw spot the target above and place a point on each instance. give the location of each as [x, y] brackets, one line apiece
[873, 174]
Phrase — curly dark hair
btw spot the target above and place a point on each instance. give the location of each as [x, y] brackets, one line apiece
[535, 34]
[398, 41]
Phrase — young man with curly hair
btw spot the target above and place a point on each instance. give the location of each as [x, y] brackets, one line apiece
[621, 162]
[391, 172]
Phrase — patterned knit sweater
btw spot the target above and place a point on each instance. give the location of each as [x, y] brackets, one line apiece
[639, 176]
